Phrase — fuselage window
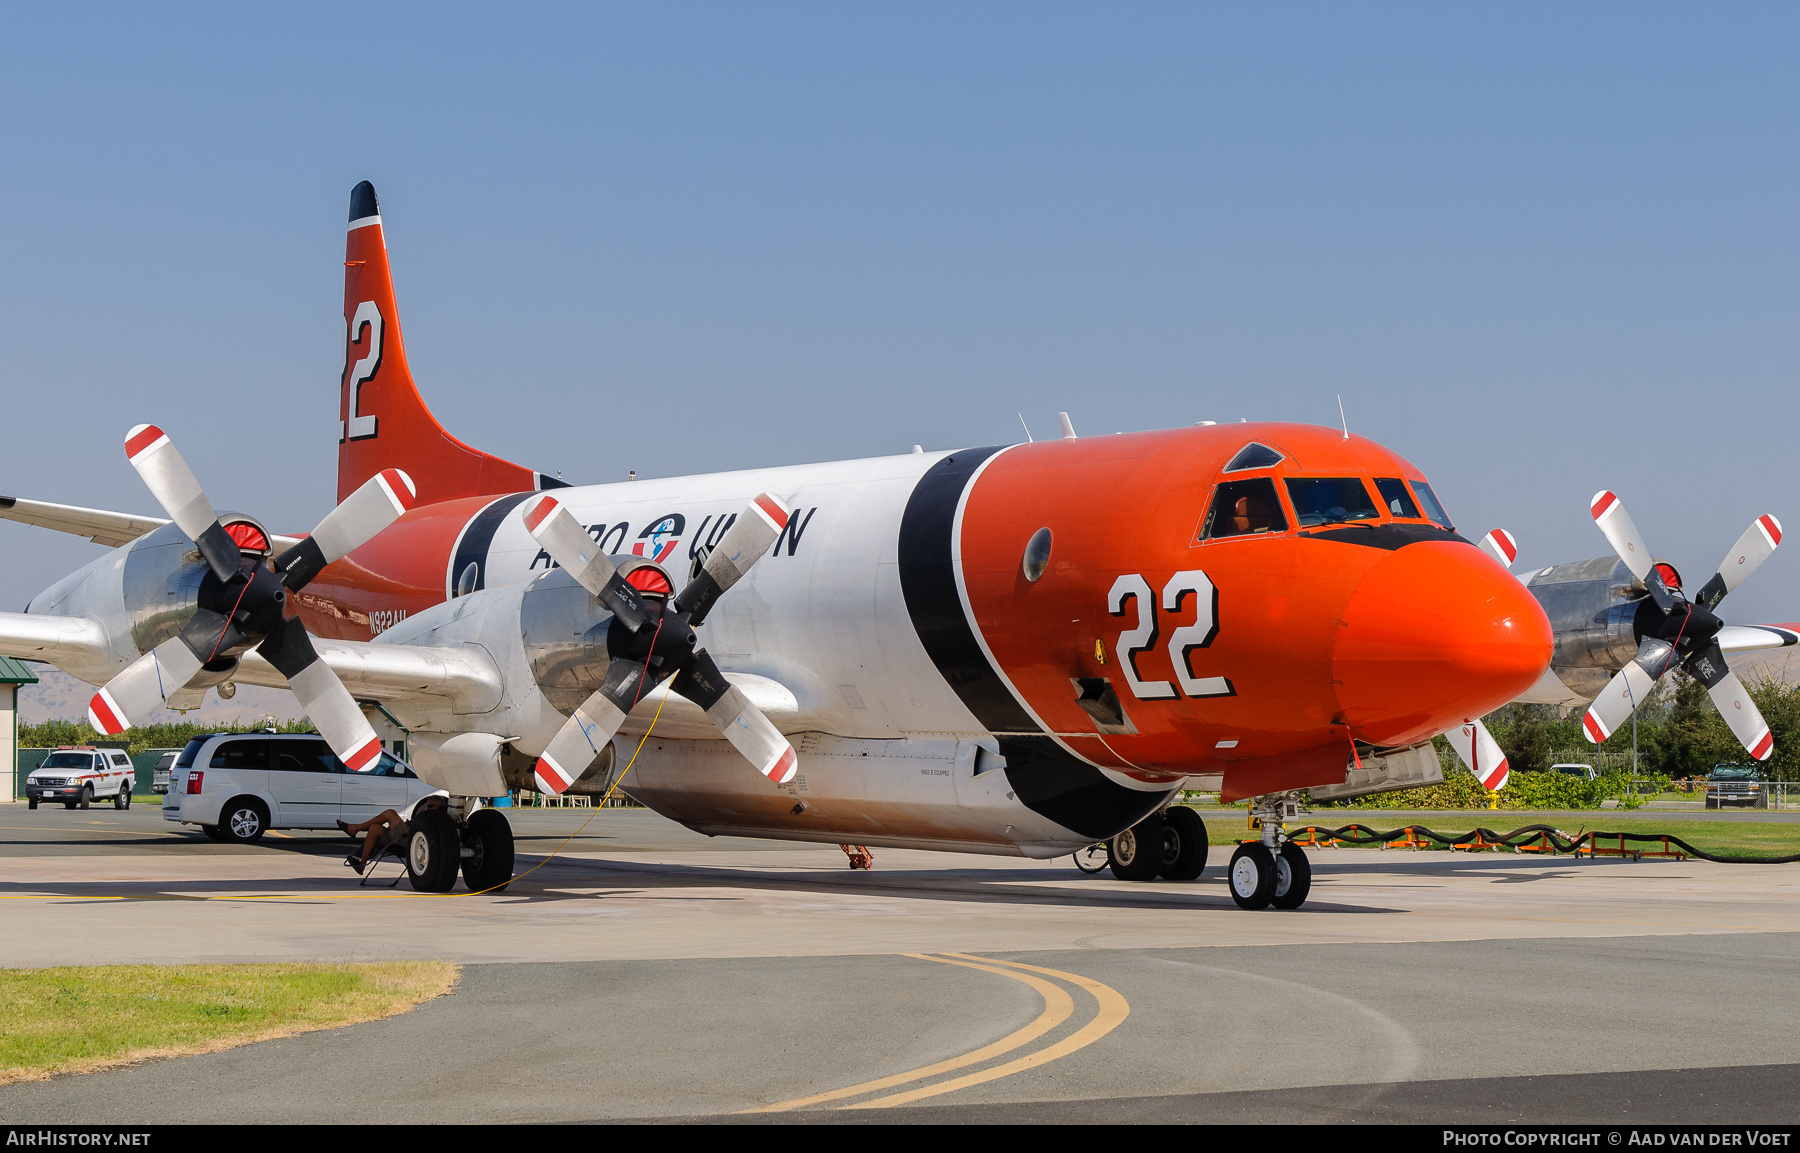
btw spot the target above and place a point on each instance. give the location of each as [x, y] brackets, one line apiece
[1393, 494]
[1253, 455]
[1429, 500]
[1330, 500]
[1244, 508]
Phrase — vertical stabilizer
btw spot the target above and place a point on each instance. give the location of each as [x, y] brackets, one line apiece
[382, 420]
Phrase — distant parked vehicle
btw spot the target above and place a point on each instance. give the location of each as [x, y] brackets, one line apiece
[1584, 772]
[1736, 785]
[77, 774]
[159, 776]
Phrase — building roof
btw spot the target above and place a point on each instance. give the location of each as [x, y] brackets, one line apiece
[14, 672]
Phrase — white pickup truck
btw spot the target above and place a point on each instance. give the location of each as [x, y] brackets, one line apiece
[77, 775]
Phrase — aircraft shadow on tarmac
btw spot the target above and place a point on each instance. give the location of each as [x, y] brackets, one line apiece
[558, 880]
[553, 882]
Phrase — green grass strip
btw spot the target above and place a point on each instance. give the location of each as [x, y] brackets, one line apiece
[81, 1019]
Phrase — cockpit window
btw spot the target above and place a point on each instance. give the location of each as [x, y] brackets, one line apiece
[1429, 500]
[1393, 494]
[1330, 500]
[1244, 508]
[1253, 455]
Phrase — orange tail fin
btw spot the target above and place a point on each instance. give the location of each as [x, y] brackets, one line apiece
[383, 422]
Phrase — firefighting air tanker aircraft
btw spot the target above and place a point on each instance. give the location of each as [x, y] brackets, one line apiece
[1017, 649]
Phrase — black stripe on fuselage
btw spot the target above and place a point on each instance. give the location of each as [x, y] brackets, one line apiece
[1047, 779]
[472, 548]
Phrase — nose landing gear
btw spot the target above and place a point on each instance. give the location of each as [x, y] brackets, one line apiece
[1273, 870]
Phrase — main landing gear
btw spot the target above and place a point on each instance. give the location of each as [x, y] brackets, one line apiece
[1272, 871]
[479, 843]
[1171, 844]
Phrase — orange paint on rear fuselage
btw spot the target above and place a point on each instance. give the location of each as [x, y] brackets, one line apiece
[1290, 607]
[402, 571]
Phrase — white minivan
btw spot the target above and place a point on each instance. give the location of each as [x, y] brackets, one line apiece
[237, 786]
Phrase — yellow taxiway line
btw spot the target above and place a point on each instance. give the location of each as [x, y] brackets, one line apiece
[1058, 1007]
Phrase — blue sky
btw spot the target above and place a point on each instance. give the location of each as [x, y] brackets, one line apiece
[1539, 249]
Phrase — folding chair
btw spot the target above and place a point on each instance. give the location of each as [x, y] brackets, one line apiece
[397, 852]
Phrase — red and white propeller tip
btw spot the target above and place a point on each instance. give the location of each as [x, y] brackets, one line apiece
[1481, 753]
[1502, 546]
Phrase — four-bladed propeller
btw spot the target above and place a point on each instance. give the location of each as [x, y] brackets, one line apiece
[1685, 633]
[652, 638]
[243, 601]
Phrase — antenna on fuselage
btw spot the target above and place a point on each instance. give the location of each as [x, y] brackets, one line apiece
[1027, 429]
[1341, 418]
[1068, 427]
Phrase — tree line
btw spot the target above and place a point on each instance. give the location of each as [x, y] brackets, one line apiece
[52, 734]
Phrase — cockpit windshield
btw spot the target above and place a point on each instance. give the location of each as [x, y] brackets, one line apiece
[1393, 494]
[1429, 501]
[1330, 500]
[1244, 508]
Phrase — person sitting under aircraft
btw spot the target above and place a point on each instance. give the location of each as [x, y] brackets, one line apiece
[383, 829]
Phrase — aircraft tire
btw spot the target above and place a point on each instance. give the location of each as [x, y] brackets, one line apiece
[1251, 876]
[1293, 878]
[433, 852]
[490, 835]
[1184, 845]
[1136, 853]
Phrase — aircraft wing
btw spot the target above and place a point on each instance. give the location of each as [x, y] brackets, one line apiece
[98, 525]
[111, 529]
[471, 682]
[465, 677]
[1750, 638]
[53, 639]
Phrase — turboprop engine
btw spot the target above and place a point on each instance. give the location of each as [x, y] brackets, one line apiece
[1623, 623]
[578, 648]
[223, 592]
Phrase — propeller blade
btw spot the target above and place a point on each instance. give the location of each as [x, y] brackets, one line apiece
[743, 724]
[175, 487]
[1750, 638]
[1740, 712]
[572, 750]
[349, 526]
[1756, 546]
[555, 528]
[328, 704]
[1481, 753]
[144, 686]
[1628, 689]
[747, 540]
[1502, 546]
[1609, 513]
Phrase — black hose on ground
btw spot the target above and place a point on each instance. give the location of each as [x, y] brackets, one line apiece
[1529, 835]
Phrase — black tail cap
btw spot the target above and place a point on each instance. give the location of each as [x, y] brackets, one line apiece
[362, 201]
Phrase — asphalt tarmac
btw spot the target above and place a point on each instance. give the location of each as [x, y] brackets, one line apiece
[649, 973]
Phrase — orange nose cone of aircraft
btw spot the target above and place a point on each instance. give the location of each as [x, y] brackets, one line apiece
[1435, 635]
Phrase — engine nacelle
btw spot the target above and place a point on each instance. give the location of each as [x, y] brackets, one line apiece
[1594, 608]
[548, 638]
